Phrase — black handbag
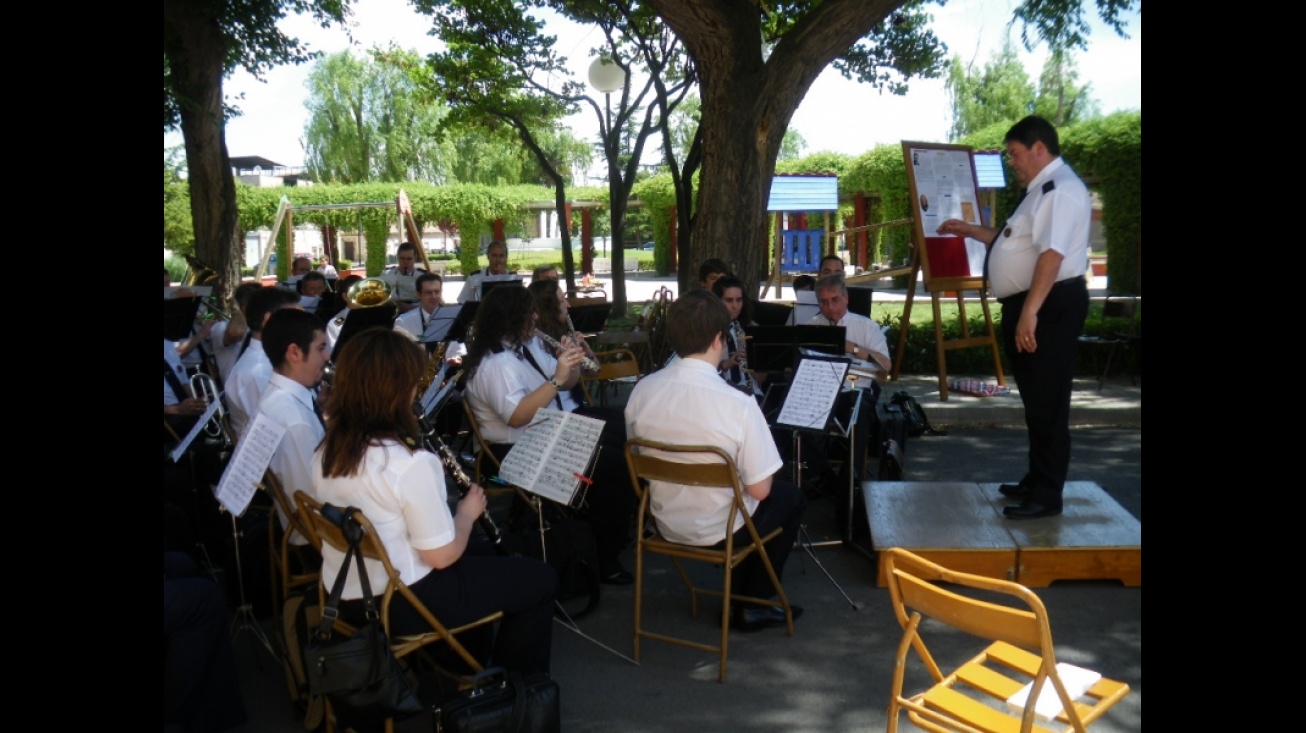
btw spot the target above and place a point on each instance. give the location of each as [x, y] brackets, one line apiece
[502, 702]
[359, 674]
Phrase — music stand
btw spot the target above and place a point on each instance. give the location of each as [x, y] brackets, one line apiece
[772, 314]
[778, 348]
[590, 319]
[462, 323]
[489, 285]
[361, 319]
[179, 317]
[859, 300]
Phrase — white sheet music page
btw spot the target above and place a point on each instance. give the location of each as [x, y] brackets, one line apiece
[245, 469]
[195, 430]
[553, 455]
[811, 396]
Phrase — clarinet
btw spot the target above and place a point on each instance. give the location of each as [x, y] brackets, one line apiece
[450, 461]
[738, 334]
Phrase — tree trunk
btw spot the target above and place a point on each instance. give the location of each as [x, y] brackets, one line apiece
[196, 67]
[748, 99]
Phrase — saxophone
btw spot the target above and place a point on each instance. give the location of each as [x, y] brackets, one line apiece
[433, 364]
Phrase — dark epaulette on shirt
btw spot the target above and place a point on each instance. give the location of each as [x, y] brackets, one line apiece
[1049, 186]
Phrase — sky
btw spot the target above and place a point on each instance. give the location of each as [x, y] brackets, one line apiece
[837, 114]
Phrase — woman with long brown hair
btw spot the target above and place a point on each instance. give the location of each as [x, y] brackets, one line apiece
[366, 461]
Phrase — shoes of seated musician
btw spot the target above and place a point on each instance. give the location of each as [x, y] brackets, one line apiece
[1014, 491]
[1030, 510]
[615, 575]
[748, 618]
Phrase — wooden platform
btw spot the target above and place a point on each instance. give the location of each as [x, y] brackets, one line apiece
[960, 525]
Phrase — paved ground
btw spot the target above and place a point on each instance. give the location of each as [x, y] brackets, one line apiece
[835, 673]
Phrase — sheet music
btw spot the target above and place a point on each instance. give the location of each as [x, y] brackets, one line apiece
[553, 454]
[195, 429]
[805, 307]
[437, 328]
[811, 395]
[245, 469]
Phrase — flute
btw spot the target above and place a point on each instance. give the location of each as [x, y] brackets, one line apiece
[587, 363]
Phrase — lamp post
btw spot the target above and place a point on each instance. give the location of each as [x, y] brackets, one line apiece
[607, 77]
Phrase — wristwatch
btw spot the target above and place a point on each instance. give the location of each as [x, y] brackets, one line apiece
[855, 354]
[556, 386]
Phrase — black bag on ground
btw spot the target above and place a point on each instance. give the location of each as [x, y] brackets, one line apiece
[917, 423]
[502, 702]
[359, 674]
[568, 547]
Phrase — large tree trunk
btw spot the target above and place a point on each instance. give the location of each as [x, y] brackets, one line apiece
[196, 66]
[747, 104]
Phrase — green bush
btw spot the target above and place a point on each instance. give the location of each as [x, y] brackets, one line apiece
[176, 267]
[344, 264]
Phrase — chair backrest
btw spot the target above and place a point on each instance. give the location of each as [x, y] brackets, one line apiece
[662, 466]
[287, 507]
[996, 610]
[613, 364]
[1118, 317]
[482, 448]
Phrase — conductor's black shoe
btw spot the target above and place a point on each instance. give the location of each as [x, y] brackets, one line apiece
[1030, 510]
[1014, 491]
[756, 618]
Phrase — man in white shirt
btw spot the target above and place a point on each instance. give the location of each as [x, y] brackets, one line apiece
[402, 278]
[865, 341]
[244, 387]
[1035, 268]
[497, 254]
[687, 403]
[295, 344]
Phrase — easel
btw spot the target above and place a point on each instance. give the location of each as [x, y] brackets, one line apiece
[961, 200]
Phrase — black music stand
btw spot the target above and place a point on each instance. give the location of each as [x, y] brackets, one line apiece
[778, 348]
[361, 319]
[590, 319]
[179, 317]
[488, 285]
[772, 314]
[859, 300]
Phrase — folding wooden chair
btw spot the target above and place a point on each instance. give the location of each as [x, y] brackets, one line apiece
[618, 365]
[974, 696]
[324, 531]
[1115, 331]
[716, 476]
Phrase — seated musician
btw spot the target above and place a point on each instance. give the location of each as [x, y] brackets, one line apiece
[366, 462]
[416, 322]
[497, 255]
[710, 271]
[510, 376]
[551, 307]
[244, 387]
[338, 322]
[402, 277]
[227, 339]
[686, 403]
[295, 344]
[312, 286]
[734, 368]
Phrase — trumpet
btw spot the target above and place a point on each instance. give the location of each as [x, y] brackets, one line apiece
[203, 386]
[587, 363]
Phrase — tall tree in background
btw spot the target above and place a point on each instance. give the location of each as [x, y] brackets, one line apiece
[369, 122]
[203, 41]
[1000, 92]
[1061, 100]
[756, 61]
[178, 232]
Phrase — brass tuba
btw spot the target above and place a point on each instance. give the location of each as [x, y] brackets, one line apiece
[198, 273]
[367, 293]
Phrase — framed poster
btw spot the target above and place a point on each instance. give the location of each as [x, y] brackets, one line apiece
[943, 185]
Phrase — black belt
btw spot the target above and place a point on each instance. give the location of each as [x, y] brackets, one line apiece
[1021, 295]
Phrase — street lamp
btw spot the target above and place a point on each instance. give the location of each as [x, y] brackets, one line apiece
[607, 77]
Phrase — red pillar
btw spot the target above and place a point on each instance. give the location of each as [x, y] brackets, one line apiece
[586, 242]
[800, 221]
[498, 230]
[859, 219]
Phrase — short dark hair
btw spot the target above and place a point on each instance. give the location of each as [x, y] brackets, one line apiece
[496, 243]
[711, 266]
[836, 258]
[830, 282]
[309, 277]
[540, 270]
[1034, 129]
[265, 301]
[804, 282]
[694, 320]
[289, 326]
[300, 259]
[424, 278]
[244, 292]
[407, 247]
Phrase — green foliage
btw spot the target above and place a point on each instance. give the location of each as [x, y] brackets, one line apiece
[343, 265]
[1001, 92]
[368, 122]
[1108, 152]
[658, 195]
[881, 174]
[1061, 100]
[177, 267]
[178, 231]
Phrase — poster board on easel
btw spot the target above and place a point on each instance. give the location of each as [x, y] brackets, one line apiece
[942, 185]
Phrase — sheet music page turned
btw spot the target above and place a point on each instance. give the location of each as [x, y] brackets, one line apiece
[553, 456]
[811, 396]
[245, 469]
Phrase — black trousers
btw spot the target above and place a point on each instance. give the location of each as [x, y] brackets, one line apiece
[783, 508]
[1045, 379]
[201, 690]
